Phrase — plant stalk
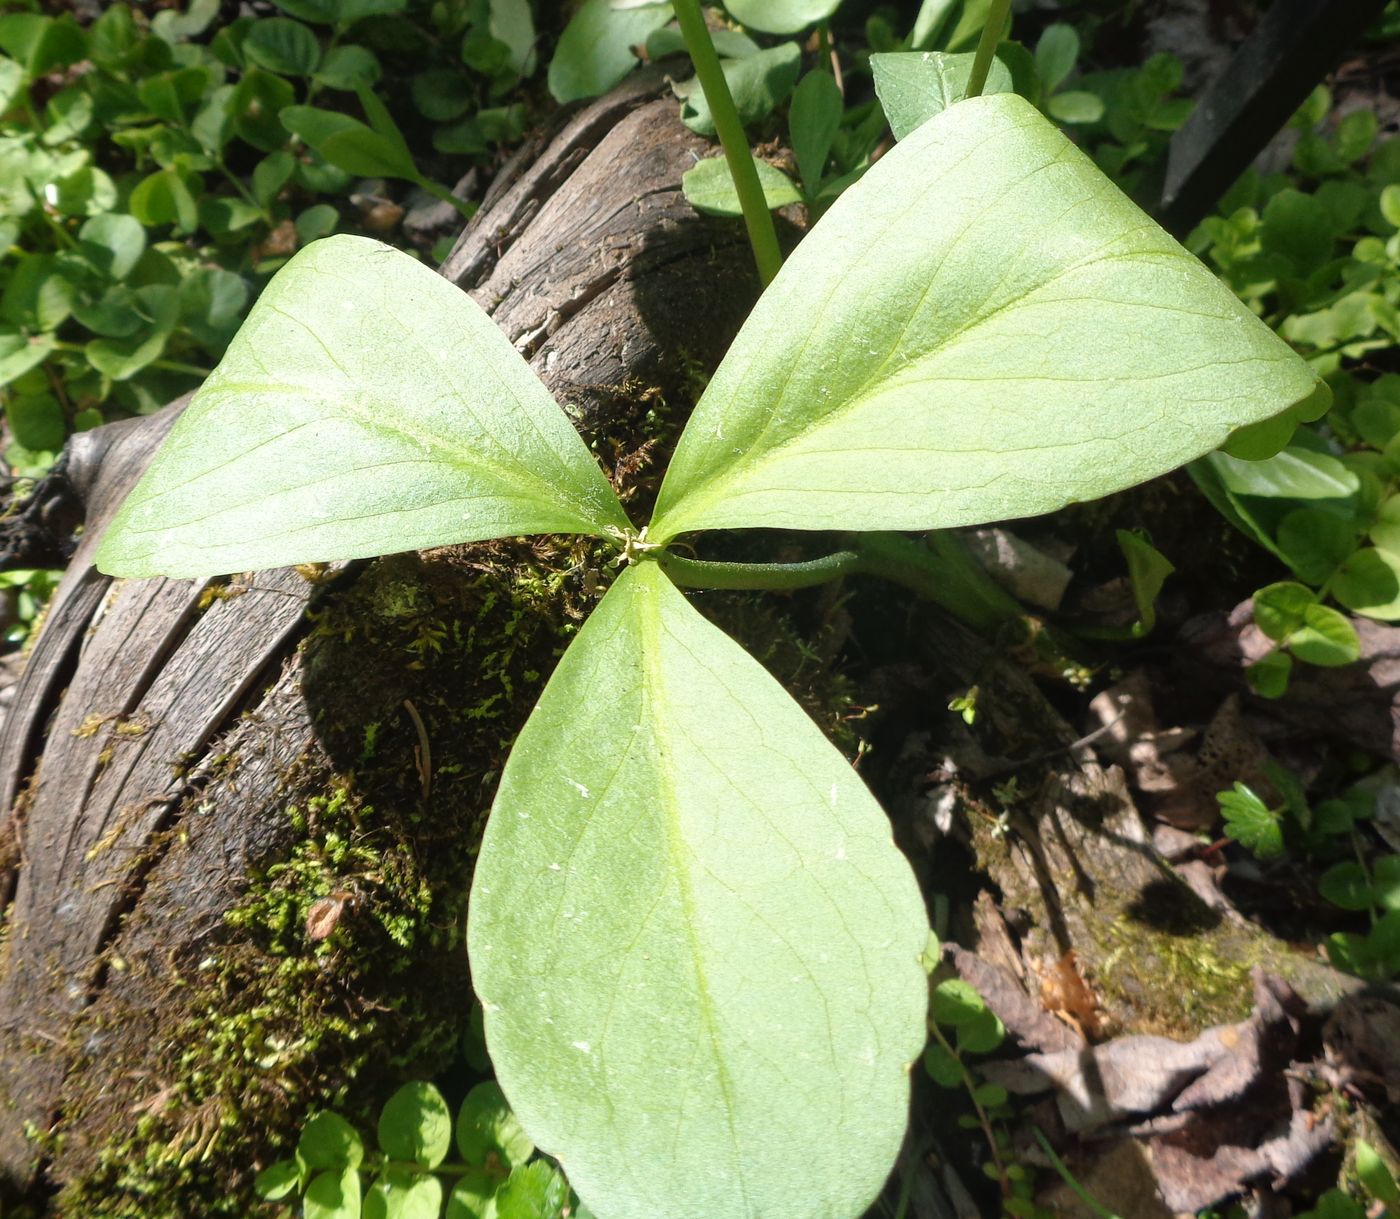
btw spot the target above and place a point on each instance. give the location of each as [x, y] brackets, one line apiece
[703, 573]
[940, 570]
[763, 237]
[438, 191]
[987, 46]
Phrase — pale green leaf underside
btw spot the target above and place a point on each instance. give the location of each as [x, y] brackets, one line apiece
[367, 406]
[982, 328]
[694, 941]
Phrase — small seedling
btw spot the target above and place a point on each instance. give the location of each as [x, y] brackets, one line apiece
[1292, 826]
[695, 943]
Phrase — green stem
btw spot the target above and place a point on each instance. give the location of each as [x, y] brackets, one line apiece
[939, 570]
[437, 190]
[702, 573]
[176, 366]
[1068, 1177]
[65, 238]
[970, 1086]
[763, 237]
[987, 45]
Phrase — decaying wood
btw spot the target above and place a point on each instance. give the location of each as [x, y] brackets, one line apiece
[130, 833]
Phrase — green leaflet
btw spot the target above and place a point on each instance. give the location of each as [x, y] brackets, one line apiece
[399, 417]
[913, 86]
[695, 943]
[780, 16]
[982, 328]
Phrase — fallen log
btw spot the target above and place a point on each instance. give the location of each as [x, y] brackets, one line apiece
[241, 815]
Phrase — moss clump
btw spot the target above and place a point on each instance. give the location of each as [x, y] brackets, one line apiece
[1177, 984]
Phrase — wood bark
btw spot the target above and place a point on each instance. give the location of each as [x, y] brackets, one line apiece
[131, 832]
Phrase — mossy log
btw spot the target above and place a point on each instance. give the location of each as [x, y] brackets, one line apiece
[242, 814]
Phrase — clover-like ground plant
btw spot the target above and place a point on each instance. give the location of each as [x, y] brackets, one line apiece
[697, 947]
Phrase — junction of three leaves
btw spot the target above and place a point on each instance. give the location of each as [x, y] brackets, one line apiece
[696, 945]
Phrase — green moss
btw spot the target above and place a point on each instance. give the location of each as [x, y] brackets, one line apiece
[1177, 984]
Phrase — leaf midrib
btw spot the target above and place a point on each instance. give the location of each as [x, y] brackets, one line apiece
[651, 630]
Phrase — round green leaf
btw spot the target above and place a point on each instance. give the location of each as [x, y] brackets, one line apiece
[686, 904]
[442, 94]
[1346, 885]
[112, 315]
[1279, 608]
[1268, 676]
[955, 1002]
[400, 1194]
[1390, 204]
[19, 352]
[989, 1096]
[367, 406]
[709, 187]
[982, 1034]
[256, 104]
[113, 243]
[351, 11]
[1369, 583]
[277, 1180]
[1326, 638]
[486, 1126]
[67, 116]
[595, 49]
[415, 1124]
[122, 359]
[780, 16]
[37, 297]
[1056, 53]
[84, 192]
[941, 350]
[36, 421]
[163, 198]
[349, 68]
[317, 221]
[283, 46]
[1315, 541]
[333, 1195]
[329, 1141]
[473, 1196]
[271, 174]
[1075, 106]
[1385, 533]
[943, 1067]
